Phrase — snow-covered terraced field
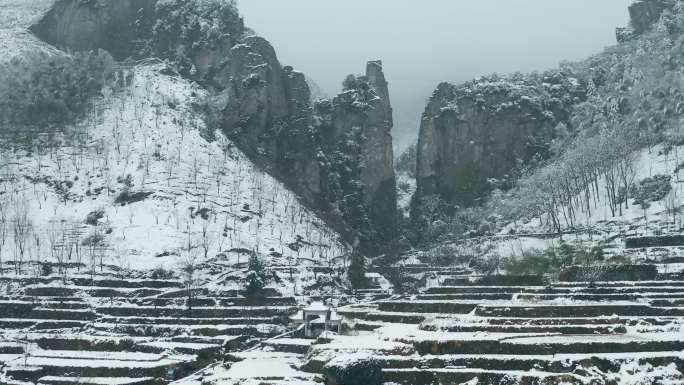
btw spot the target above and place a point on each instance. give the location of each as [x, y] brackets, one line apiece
[554, 333]
[557, 333]
[79, 338]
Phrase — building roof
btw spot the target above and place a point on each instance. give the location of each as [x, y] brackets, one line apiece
[317, 307]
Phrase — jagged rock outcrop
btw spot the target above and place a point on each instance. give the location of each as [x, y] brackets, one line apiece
[265, 108]
[357, 177]
[643, 14]
[474, 135]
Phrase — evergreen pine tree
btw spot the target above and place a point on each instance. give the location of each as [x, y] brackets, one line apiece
[256, 277]
[357, 271]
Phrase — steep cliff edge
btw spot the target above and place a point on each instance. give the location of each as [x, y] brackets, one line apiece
[263, 107]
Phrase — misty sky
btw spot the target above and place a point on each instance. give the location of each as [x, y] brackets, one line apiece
[423, 43]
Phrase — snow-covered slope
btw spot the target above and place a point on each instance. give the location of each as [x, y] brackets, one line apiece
[15, 17]
[600, 228]
[147, 140]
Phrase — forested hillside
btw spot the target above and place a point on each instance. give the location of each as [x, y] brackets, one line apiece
[591, 122]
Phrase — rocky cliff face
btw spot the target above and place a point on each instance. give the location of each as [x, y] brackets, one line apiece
[357, 178]
[263, 107]
[474, 135]
[643, 15]
[115, 26]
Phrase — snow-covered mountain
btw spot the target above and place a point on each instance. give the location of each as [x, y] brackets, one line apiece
[141, 182]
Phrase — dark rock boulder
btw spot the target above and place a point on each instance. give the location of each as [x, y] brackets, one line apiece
[115, 26]
[366, 371]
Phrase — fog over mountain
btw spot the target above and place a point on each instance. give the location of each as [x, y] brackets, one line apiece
[425, 43]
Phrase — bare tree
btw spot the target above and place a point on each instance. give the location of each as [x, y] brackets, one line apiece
[672, 204]
[207, 239]
[21, 232]
[38, 257]
[56, 245]
[94, 243]
[169, 166]
[188, 264]
[3, 230]
[123, 264]
[218, 168]
[195, 170]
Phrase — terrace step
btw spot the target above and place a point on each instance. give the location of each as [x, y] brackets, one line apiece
[93, 343]
[468, 343]
[396, 317]
[16, 323]
[607, 284]
[419, 306]
[199, 312]
[465, 296]
[57, 380]
[11, 348]
[64, 305]
[16, 309]
[27, 310]
[289, 345]
[554, 329]
[52, 366]
[463, 375]
[583, 310]
[216, 301]
[148, 330]
[218, 340]
[578, 297]
[24, 298]
[123, 293]
[496, 289]
[667, 302]
[24, 373]
[59, 324]
[622, 289]
[631, 290]
[187, 321]
[50, 291]
[497, 280]
[560, 363]
[351, 312]
[63, 314]
[183, 347]
[39, 324]
[127, 283]
[603, 320]
[367, 325]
